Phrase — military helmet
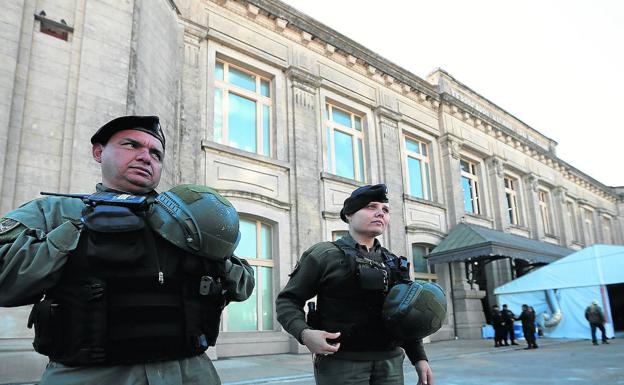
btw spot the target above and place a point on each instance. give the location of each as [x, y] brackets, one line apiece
[198, 220]
[414, 310]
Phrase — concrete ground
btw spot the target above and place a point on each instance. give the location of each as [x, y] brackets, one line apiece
[459, 362]
[462, 362]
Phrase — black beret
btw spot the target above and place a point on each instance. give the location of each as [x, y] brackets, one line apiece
[148, 124]
[362, 196]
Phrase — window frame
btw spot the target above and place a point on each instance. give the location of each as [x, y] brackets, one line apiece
[543, 198]
[511, 197]
[572, 219]
[257, 263]
[430, 275]
[359, 159]
[588, 226]
[473, 178]
[425, 166]
[225, 88]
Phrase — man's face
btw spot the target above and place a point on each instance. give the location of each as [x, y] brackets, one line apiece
[131, 161]
[371, 220]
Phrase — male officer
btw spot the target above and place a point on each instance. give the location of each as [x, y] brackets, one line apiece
[123, 302]
[350, 278]
[508, 318]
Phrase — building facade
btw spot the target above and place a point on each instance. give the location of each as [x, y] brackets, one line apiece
[285, 117]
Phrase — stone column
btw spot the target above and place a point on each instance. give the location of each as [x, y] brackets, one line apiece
[307, 156]
[389, 139]
[566, 232]
[534, 219]
[450, 146]
[495, 169]
[467, 307]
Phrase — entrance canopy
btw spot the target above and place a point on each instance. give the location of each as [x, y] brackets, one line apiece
[472, 242]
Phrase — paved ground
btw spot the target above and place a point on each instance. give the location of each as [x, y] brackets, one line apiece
[459, 362]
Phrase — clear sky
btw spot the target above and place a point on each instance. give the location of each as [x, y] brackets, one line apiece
[556, 65]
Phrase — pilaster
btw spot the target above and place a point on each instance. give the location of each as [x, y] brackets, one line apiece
[531, 183]
[307, 158]
[567, 233]
[450, 147]
[467, 307]
[496, 173]
[389, 141]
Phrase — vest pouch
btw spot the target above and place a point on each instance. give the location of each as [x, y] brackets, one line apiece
[46, 317]
[372, 279]
[114, 235]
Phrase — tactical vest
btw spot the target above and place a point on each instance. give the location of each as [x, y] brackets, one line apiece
[128, 297]
[353, 306]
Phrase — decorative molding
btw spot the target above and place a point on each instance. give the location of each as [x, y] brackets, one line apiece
[256, 197]
[388, 114]
[497, 165]
[453, 144]
[303, 79]
[532, 181]
[330, 215]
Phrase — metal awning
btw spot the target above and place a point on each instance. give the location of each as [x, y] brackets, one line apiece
[471, 242]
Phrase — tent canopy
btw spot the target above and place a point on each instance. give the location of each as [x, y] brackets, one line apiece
[467, 241]
[592, 266]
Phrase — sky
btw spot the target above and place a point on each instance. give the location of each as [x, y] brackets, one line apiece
[557, 65]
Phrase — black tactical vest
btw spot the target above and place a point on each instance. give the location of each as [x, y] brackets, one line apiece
[353, 306]
[128, 297]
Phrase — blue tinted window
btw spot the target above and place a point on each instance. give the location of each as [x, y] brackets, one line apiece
[415, 177]
[219, 71]
[343, 145]
[247, 247]
[412, 146]
[242, 79]
[243, 316]
[341, 117]
[467, 189]
[242, 123]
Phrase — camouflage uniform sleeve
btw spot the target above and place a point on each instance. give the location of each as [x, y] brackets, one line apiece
[414, 350]
[303, 285]
[239, 279]
[30, 258]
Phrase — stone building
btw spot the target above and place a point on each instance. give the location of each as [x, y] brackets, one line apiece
[285, 117]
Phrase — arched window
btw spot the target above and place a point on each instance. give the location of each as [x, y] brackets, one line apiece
[256, 246]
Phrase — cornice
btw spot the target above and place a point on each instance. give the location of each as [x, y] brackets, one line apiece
[336, 42]
[302, 29]
[476, 119]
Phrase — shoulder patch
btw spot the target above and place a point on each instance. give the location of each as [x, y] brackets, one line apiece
[8, 224]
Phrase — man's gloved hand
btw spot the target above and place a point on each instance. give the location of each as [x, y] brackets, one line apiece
[238, 279]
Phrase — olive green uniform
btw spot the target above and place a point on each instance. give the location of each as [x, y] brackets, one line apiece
[35, 243]
[324, 265]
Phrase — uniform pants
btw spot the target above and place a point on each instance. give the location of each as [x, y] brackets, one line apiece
[593, 331]
[329, 370]
[529, 335]
[197, 370]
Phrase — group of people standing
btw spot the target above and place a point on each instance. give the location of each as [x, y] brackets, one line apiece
[503, 323]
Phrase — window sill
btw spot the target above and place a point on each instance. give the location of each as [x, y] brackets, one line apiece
[246, 155]
[335, 178]
[409, 198]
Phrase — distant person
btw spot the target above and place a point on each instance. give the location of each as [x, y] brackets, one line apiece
[499, 327]
[528, 326]
[508, 319]
[596, 319]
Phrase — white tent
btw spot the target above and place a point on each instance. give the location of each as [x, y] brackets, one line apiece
[568, 285]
